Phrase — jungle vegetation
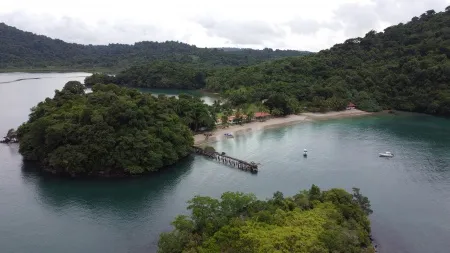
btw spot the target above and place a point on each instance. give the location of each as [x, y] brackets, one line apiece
[111, 131]
[406, 67]
[27, 51]
[312, 221]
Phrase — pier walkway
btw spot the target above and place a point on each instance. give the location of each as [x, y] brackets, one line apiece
[228, 160]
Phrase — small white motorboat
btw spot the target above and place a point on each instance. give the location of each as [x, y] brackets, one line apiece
[305, 153]
[386, 154]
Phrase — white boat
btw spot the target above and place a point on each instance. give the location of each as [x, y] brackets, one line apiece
[305, 153]
[229, 135]
[386, 154]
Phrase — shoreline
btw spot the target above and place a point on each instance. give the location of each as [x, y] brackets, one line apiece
[218, 134]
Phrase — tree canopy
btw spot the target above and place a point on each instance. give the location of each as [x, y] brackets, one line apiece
[111, 131]
[310, 221]
[25, 50]
[163, 74]
[406, 67]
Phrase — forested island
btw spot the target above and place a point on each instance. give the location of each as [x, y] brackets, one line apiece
[26, 51]
[112, 131]
[406, 68]
[312, 221]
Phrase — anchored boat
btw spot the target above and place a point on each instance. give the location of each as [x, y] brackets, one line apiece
[229, 135]
[386, 154]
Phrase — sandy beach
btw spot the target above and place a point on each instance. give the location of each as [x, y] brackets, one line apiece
[336, 115]
[218, 134]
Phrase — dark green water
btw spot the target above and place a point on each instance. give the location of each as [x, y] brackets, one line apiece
[410, 193]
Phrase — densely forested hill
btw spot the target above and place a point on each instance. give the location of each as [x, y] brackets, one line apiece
[162, 74]
[19, 49]
[110, 131]
[158, 74]
[406, 67]
[312, 221]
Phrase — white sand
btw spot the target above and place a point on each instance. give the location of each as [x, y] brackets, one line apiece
[218, 134]
[336, 115]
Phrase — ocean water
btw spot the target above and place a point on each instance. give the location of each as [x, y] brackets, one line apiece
[410, 193]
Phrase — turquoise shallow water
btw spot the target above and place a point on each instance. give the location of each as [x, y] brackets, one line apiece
[410, 193]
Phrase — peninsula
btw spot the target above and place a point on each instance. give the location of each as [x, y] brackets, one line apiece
[310, 221]
[112, 131]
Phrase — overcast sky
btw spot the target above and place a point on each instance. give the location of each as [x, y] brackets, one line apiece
[286, 24]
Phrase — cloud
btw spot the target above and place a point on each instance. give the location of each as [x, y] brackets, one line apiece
[286, 24]
[393, 11]
[75, 30]
[355, 19]
[250, 32]
[359, 18]
[310, 26]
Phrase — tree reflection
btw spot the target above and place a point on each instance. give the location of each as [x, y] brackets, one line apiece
[117, 195]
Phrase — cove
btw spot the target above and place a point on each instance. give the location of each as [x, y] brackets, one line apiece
[410, 193]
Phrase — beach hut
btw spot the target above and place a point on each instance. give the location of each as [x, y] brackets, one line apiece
[261, 115]
[351, 106]
[231, 119]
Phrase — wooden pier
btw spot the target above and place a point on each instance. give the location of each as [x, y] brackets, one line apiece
[228, 160]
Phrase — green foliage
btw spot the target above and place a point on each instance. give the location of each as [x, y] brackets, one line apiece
[311, 221]
[193, 111]
[224, 120]
[162, 75]
[406, 67]
[111, 131]
[19, 49]
[209, 149]
[99, 78]
[11, 133]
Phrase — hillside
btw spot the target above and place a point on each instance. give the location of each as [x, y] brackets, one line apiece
[157, 74]
[110, 131]
[25, 50]
[310, 221]
[406, 67]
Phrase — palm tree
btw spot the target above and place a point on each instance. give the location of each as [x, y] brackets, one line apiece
[200, 117]
[216, 106]
[228, 112]
[262, 108]
[224, 120]
[250, 115]
[238, 116]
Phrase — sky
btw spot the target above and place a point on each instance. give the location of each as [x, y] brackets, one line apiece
[310, 25]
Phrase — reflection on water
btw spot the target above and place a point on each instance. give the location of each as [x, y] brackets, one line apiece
[410, 193]
[88, 207]
[95, 194]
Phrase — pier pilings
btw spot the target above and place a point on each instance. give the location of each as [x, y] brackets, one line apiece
[227, 160]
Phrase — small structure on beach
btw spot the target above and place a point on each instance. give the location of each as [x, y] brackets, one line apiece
[351, 106]
[262, 115]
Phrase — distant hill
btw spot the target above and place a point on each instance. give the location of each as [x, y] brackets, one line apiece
[25, 50]
[406, 67]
